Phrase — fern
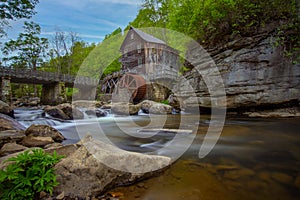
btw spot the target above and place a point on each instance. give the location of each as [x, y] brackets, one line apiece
[30, 173]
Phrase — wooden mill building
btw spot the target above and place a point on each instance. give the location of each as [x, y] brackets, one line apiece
[148, 56]
[146, 60]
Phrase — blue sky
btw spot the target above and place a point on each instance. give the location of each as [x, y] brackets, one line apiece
[91, 19]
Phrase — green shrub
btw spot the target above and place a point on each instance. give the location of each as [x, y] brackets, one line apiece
[166, 101]
[30, 173]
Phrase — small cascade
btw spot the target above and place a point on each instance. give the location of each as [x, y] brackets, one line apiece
[29, 116]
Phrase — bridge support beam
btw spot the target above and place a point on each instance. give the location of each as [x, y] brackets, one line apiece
[52, 94]
[6, 90]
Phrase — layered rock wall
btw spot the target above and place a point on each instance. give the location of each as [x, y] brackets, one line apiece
[255, 73]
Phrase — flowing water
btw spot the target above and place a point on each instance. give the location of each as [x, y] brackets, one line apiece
[253, 158]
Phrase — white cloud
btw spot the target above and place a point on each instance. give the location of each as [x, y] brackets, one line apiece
[81, 4]
[105, 22]
[48, 33]
[91, 36]
[51, 33]
[128, 2]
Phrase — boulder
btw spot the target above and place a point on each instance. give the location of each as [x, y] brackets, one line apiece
[31, 141]
[71, 111]
[65, 151]
[3, 160]
[44, 131]
[125, 108]
[152, 107]
[34, 101]
[87, 104]
[53, 145]
[61, 150]
[106, 106]
[10, 136]
[84, 174]
[174, 102]
[6, 109]
[64, 111]
[56, 113]
[96, 112]
[10, 148]
[8, 123]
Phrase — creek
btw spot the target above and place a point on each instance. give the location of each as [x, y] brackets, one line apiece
[253, 158]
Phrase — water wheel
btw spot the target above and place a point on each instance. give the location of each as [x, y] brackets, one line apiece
[135, 85]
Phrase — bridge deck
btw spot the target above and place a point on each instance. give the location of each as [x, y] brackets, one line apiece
[18, 75]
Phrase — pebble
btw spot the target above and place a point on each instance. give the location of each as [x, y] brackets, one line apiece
[227, 167]
[233, 185]
[255, 185]
[282, 178]
[61, 196]
[265, 176]
[140, 185]
[235, 174]
[131, 188]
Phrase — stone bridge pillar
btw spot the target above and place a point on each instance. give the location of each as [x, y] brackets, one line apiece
[5, 90]
[52, 94]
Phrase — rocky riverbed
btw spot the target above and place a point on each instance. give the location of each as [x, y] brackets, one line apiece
[254, 158]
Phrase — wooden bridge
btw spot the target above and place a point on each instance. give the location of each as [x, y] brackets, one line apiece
[26, 76]
[51, 82]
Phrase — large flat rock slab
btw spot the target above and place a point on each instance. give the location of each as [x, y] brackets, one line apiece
[97, 166]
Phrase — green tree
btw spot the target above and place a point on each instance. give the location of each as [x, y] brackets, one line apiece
[13, 10]
[71, 62]
[62, 45]
[28, 50]
[103, 59]
[153, 13]
[115, 32]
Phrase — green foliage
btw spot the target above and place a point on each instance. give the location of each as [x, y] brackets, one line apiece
[287, 37]
[69, 64]
[212, 21]
[28, 50]
[15, 9]
[115, 32]
[103, 58]
[30, 173]
[207, 20]
[21, 90]
[112, 67]
[70, 92]
[166, 102]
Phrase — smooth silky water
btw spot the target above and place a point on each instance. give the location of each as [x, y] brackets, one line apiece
[253, 158]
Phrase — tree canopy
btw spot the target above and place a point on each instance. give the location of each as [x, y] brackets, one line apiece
[28, 50]
[15, 9]
[205, 20]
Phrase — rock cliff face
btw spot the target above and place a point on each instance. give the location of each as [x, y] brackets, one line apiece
[255, 74]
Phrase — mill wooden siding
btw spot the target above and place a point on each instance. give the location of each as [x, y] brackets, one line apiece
[146, 58]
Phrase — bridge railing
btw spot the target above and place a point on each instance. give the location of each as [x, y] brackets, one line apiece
[46, 76]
